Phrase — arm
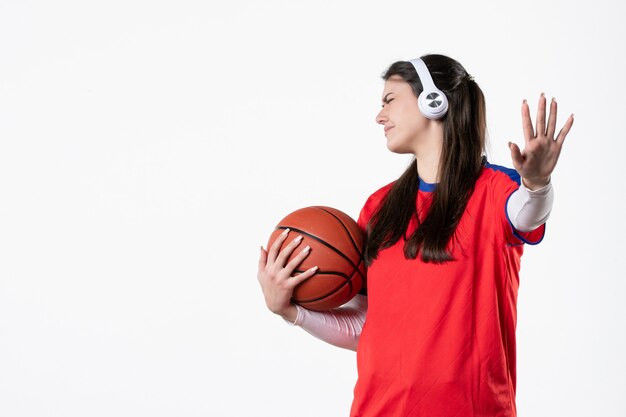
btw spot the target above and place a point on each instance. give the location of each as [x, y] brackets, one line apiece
[340, 327]
[528, 209]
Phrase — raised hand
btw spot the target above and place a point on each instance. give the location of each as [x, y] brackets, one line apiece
[541, 152]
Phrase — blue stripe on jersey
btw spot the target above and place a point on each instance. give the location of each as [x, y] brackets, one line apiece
[515, 231]
[513, 174]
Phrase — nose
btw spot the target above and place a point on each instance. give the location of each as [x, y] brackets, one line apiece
[381, 117]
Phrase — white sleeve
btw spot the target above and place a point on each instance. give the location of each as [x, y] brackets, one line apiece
[529, 209]
[340, 327]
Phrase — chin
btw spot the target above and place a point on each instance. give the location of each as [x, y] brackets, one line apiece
[397, 148]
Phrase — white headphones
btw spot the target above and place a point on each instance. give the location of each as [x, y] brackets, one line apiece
[432, 102]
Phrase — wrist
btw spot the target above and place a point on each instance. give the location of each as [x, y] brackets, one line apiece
[290, 313]
[535, 183]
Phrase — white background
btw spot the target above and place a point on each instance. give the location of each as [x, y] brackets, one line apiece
[147, 150]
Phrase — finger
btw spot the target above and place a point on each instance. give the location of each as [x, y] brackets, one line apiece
[540, 127]
[271, 258]
[297, 259]
[527, 125]
[262, 259]
[297, 279]
[552, 119]
[516, 156]
[286, 252]
[565, 130]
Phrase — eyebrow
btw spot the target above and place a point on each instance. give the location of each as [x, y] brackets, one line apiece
[387, 95]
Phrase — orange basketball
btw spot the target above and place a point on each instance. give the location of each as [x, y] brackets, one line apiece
[336, 243]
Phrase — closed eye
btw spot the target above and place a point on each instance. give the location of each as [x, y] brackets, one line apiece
[386, 102]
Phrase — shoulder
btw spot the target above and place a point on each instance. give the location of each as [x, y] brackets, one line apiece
[499, 182]
[377, 196]
[372, 202]
[498, 173]
[382, 191]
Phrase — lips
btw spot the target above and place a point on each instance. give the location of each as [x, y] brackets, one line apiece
[387, 129]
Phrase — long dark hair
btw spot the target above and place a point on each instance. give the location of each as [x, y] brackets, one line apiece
[464, 129]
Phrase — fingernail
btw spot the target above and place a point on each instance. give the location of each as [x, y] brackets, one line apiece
[284, 233]
[298, 239]
[542, 94]
[524, 102]
[306, 249]
[314, 268]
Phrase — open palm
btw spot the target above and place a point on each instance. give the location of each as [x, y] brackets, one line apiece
[541, 152]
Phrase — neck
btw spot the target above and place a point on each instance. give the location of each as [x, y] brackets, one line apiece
[428, 154]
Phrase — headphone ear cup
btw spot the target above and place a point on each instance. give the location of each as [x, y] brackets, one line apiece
[433, 104]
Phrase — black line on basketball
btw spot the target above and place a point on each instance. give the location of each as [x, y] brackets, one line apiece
[344, 228]
[348, 281]
[340, 286]
[329, 246]
[341, 274]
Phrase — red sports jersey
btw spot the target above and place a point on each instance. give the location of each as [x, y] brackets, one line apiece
[439, 340]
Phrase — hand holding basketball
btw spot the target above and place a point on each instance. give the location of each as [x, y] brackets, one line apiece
[275, 277]
[336, 242]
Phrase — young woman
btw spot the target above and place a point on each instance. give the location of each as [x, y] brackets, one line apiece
[434, 330]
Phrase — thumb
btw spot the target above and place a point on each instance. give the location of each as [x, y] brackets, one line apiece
[516, 155]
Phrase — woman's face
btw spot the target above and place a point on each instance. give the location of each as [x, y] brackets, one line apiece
[401, 117]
